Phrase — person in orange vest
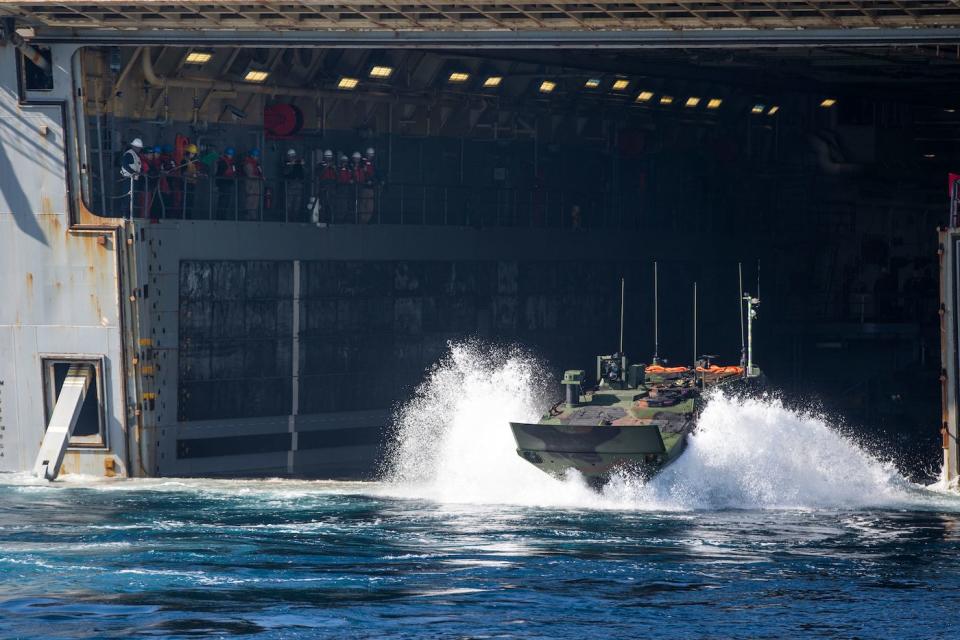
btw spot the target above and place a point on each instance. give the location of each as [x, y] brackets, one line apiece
[253, 184]
[227, 184]
[346, 194]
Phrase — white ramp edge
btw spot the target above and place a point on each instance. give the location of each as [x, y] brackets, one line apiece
[63, 421]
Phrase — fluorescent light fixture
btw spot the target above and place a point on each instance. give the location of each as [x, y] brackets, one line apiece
[381, 71]
[714, 103]
[347, 83]
[198, 57]
[773, 110]
[645, 96]
[929, 155]
[692, 101]
[758, 108]
[620, 84]
[492, 82]
[547, 86]
[666, 99]
[828, 102]
[591, 83]
[458, 77]
[256, 75]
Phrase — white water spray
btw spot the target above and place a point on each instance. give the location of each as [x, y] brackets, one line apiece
[453, 444]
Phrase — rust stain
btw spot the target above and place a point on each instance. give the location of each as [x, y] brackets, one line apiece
[29, 280]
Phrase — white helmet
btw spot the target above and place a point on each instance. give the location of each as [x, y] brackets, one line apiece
[136, 143]
[356, 155]
[291, 153]
[370, 152]
[328, 153]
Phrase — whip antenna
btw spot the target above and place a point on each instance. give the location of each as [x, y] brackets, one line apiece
[622, 301]
[656, 319]
[758, 278]
[743, 345]
[694, 324]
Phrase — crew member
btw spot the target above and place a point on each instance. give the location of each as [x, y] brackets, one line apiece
[326, 175]
[131, 168]
[367, 181]
[253, 184]
[152, 170]
[189, 172]
[346, 193]
[293, 177]
[169, 185]
[226, 184]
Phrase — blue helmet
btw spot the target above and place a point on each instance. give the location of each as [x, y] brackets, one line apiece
[157, 149]
[254, 153]
[168, 148]
[230, 151]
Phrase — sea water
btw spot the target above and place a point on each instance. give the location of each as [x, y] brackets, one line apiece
[773, 524]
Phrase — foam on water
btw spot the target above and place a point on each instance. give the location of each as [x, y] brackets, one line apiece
[453, 444]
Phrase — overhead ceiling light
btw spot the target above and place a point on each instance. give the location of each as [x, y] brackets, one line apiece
[620, 84]
[758, 108]
[948, 110]
[547, 86]
[347, 83]
[773, 110]
[591, 83]
[714, 103]
[198, 57]
[458, 77]
[492, 82]
[692, 101]
[381, 71]
[666, 99]
[828, 102]
[256, 75]
[929, 155]
[645, 96]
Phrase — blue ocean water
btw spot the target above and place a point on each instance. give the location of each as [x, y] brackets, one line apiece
[773, 524]
[300, 560]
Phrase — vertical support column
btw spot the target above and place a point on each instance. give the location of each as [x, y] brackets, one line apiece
[949, 266]
[294, 368]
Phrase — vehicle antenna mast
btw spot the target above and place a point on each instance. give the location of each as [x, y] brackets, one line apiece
[743, 345]
[622, 302]
[656, 319]
[694, 324]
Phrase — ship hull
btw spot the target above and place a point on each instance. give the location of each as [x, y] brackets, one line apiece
[599, 451]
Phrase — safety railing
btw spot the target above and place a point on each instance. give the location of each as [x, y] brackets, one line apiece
[267, 200]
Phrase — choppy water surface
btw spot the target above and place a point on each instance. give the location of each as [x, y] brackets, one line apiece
[772, 525]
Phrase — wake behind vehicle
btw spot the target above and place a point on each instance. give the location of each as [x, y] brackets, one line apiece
[635, 419]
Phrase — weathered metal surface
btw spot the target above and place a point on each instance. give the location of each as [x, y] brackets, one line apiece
[458, 15]
[949, 355]
[59, 282]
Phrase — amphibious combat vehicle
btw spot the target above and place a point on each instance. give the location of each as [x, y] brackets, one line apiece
[636, 419]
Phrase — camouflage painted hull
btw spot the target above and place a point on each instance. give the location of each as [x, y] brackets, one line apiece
[597, 451]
